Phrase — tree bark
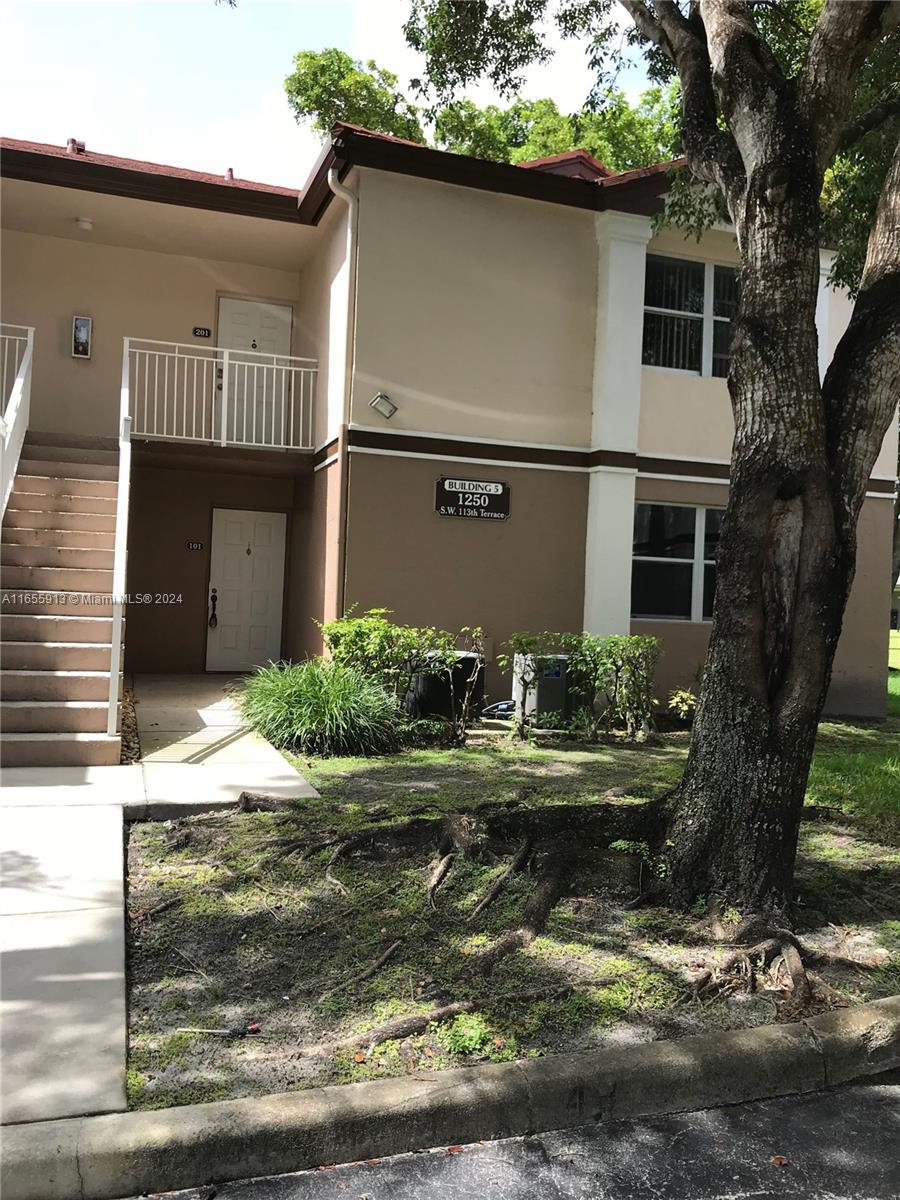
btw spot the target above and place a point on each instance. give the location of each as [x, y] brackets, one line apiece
[800, 463]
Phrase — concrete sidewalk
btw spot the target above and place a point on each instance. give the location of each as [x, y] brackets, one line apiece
[63, 880]
[194, 741]
[198, 756]
[63, 961]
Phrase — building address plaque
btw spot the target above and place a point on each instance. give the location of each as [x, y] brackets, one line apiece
[472, 499]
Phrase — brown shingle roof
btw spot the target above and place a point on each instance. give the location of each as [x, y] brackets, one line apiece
[139, 165]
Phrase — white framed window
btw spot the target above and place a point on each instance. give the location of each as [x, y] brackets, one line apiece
[688, 308]
[673, 568]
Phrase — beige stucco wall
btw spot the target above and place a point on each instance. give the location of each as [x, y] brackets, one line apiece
[320, 319]
[140, 293]
[476, 312]
[689, 416]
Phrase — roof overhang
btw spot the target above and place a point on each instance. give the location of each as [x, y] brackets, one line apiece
[76, 172]
[639, 191]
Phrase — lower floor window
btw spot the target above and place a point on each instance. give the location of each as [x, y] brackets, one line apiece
[673, 572]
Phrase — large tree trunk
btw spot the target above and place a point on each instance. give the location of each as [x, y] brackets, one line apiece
[783, 573]
[801, 460]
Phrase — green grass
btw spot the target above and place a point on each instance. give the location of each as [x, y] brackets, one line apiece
[894, 674]
[224, 931]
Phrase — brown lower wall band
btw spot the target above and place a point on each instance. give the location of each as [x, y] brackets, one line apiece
[456, 448]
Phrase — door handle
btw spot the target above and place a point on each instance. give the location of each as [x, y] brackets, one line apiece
[213, 619]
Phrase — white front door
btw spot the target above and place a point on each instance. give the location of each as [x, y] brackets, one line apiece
[246, 588]
[257, 335]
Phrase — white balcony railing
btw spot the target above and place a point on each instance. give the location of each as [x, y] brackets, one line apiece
[16, 353]
[120, 551]
[190, 393]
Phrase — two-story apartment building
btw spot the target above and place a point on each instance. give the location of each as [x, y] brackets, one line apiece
[468, 392]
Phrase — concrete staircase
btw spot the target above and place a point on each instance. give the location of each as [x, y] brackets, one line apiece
[57, 544]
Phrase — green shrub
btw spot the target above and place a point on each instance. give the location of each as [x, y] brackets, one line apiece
[322, 708]
[682, 704]
[388, 653]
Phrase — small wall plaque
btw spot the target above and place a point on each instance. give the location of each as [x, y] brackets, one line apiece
[82, 332]
[202, 331]
[193, 545]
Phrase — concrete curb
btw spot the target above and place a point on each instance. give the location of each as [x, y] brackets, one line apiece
[123, 1154]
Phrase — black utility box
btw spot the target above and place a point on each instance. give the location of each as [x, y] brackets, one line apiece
[441, 694]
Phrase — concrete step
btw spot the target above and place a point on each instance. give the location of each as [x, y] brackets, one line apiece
[63, 579]
[53, 604]
[60, 452]
[63, 485]
[19, 516]
[75, 440]
[45, 502]
[62, 539]
[31, 627]
[53, 716]
[64, 469]
[59, 749]
[54, 685]
[54, 656]
[77, 557]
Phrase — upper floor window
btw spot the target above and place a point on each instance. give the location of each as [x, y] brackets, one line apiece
[673, 570]
[687, 314]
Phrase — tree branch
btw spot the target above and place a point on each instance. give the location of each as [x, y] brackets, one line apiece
[877, 115]
[711, 152]
[843, 37]
[861, 386]
[750, 85]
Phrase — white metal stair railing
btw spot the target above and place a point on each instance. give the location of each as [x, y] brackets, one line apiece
[120, 549]
[16, 355]
[190, 393]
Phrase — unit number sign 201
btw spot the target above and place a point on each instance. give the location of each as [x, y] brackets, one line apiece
[479, 499]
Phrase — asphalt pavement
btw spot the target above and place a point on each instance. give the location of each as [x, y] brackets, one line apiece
[842, 1144]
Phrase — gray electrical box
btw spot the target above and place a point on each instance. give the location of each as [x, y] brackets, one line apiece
[550, 696]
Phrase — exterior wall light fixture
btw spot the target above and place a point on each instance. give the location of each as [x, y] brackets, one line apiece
[383, 405]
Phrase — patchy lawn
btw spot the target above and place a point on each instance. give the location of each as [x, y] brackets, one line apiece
[233, 926]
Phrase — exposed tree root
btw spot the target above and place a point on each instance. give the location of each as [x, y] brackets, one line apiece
[362, 976]
[439, 871]
[402, 1027]
[517, 863]
[551, 885]
[715, 979]
[799, 981]
[781, 955]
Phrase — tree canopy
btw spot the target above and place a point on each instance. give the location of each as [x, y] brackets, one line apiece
[328, 86]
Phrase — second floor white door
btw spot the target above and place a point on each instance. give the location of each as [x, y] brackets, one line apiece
[254, 407]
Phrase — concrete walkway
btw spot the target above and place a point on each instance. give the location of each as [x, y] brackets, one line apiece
[62, 880]
[63, 961]
[194, 742]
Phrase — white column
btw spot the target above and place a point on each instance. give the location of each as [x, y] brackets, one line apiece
[823, 303]
[621, 253]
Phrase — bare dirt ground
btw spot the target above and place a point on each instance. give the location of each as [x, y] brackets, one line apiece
[339, 934]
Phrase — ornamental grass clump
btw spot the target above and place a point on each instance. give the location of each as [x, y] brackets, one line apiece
[322, 708]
